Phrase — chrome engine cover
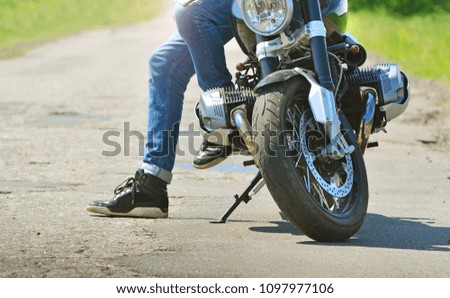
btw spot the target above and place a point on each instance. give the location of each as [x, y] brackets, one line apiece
[394, 87]
[392, 90]
[215, 106]
[211, 110]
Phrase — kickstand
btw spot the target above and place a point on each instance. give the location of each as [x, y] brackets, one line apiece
[245, 196]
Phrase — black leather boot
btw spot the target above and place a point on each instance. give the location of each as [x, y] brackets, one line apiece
[142, 196]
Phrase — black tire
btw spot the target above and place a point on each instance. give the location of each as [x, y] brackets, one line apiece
[302, 207]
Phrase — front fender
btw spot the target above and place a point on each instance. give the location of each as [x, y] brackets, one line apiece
[279, 76]
[321, 100]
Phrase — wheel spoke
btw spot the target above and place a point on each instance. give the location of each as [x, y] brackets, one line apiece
[330, 182]
[294, 141]
[299, 159]
[323, 200]
[337, 204]
[307, 180]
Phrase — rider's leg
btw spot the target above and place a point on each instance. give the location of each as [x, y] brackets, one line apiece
[206, 27]
[170, 69]
[145, 195]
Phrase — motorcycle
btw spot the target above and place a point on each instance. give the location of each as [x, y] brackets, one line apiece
[304, 110]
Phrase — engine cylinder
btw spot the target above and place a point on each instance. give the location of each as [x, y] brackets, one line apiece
[215, 106]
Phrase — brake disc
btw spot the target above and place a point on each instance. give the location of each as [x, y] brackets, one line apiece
[337, 186]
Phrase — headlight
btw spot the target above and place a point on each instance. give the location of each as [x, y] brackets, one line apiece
[267, 17]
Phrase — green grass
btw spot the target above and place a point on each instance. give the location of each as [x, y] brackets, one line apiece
[402, 7]
[24, 23]
[420, 43]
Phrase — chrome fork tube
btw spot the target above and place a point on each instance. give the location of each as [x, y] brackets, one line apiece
[319, 49]
[268, 64]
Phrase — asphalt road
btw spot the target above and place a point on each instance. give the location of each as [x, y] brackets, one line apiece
[58, 101]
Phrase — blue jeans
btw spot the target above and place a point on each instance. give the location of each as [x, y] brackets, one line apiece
[203, 28]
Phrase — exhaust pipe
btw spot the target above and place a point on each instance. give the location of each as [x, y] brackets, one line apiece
[369, 96]
[239, 117]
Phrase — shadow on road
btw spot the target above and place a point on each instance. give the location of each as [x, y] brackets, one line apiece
[383, 232]
[282, 227]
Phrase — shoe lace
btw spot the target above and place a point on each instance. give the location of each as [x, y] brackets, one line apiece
[127, 185]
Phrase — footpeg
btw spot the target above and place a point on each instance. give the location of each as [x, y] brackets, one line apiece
[372, 144]
[249, 163]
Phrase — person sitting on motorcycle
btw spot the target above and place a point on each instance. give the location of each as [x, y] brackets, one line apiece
[197, 47]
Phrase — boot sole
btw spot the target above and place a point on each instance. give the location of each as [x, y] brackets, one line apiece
[210, 164]
[135, 212]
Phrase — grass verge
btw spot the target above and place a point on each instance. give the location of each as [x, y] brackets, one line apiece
[26, 23]
[420, 44]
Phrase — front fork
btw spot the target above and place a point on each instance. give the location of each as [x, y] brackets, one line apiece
[268, 64]
[318, 44]
[321, 97]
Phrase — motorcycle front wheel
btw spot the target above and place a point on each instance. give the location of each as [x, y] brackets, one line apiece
[324, 197]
